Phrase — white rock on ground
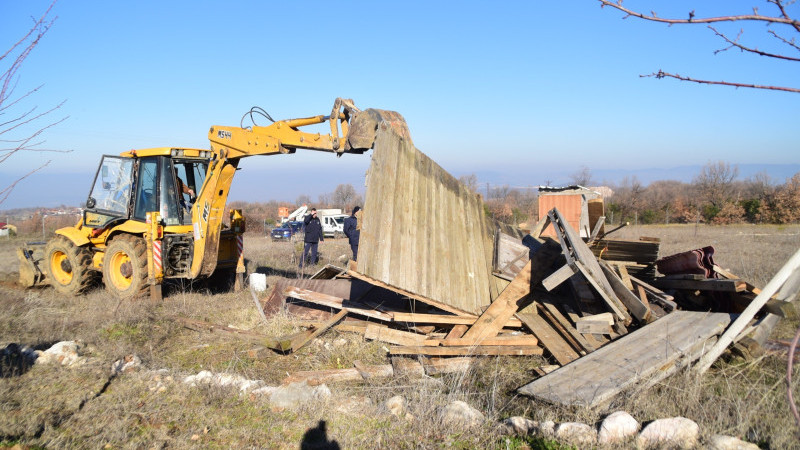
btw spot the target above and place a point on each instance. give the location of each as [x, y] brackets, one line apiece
[356, 405]
[224, 380]
[722, 442]
[130, 363]
[676, 432]
[617, 427]
[545, 429]
[461, 414]
[395, 405]
[576, 433]
[298, 394]
[64, 353]
[519, 425]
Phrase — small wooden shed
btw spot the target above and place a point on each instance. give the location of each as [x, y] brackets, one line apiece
[579, 205]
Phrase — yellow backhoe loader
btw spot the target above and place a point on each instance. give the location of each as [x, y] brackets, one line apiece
[143, 223]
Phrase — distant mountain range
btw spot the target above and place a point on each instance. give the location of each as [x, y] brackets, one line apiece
[70, 189]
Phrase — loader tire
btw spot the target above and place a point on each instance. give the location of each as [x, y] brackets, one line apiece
[69, 267]
[125, 266]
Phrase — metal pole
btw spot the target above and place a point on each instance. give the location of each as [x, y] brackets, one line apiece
[43, 216]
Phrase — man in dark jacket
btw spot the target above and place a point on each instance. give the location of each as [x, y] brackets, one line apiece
[352, 231]
[313, 235]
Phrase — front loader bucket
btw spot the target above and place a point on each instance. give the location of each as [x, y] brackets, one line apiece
[30, 274]
[364, 128]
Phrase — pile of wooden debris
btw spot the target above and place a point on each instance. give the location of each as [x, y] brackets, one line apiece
[443, 284]
[608, 327]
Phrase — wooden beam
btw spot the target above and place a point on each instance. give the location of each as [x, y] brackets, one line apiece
[701, 285]
[438, 366]
[559, 276]
[610, 300]
[549, 338]
[315, 377]
[503, 308]
[457, 331]
[441, 319]
[334, 302]
[523, 340]
[296, 341]
[411, 295]
[565, 328]
[635, 306]
[385, 334]
[508, 350]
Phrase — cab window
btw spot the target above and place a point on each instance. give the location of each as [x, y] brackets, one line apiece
[146, 199]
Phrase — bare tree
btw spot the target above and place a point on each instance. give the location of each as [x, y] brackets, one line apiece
[716, 181]
[303, 199]
[470, 181]
[22, 126]
[344, 195]
[789, 29]
[583, 177]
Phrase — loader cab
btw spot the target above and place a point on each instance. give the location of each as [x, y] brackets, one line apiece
[128, 188]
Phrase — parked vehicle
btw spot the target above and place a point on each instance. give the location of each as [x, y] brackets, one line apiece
[286, 231]
[333, 225]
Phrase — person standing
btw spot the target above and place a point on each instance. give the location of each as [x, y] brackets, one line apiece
[352, 231]
[313, 234]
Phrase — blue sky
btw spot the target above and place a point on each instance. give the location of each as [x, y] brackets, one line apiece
[502, 88]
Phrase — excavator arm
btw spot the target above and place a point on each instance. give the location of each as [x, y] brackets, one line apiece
[352, 131]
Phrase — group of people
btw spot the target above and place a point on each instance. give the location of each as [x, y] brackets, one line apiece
[313, 235]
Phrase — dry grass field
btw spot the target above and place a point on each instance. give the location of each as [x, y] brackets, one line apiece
[85, 407]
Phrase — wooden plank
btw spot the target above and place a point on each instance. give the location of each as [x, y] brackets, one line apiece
[428, 301]
[549, 338]
[457, 331]
[485, 350]
[562, 325]
[635, 306]
[334, 302]
[559, 276]
[385, 334]
[522, 340]
[305, 338]
[315, 377]
[640, 355]
[439, 366]
[442, 319]
[610, 300]
[624, 275]
[503, 308]
[656, 295]
[593, 327]
[701, 285]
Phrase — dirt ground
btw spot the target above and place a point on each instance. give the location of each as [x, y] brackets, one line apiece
[84, 406]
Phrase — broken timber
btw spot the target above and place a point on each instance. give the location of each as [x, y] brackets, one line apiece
[643, 355]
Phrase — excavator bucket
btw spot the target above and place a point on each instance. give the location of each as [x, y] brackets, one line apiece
[30, 274]
[364, 127]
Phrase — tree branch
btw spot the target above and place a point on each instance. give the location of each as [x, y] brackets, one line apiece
[661, 74]
[785, 41]
[692, 20]
[748, 49]
[7, 190]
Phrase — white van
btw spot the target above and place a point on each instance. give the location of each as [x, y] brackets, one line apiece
[333, 225]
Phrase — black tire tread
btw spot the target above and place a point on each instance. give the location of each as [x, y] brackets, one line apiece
[137, 252]
[83, 273]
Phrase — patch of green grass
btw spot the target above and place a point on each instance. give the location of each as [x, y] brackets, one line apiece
[119, 331]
